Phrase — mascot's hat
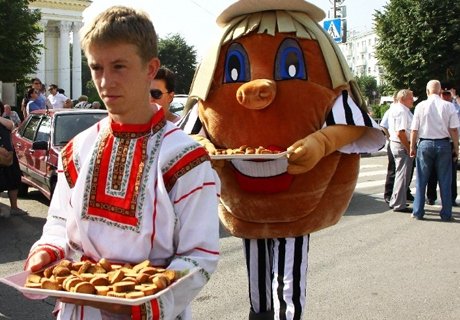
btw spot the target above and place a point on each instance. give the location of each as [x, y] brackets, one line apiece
[244, 7]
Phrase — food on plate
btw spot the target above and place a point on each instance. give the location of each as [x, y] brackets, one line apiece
[104, 278]
[245, 150]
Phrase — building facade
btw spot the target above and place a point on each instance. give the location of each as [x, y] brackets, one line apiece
[359, 51]
[60, 60]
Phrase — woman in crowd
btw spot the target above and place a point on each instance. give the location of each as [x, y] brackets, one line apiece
[10, 177]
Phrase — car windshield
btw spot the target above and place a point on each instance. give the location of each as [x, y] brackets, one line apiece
[68, 126]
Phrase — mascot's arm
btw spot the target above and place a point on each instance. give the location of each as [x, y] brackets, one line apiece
[210, 148]
[306, 153]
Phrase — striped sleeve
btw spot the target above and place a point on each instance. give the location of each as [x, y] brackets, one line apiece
[346, 112]
[191, 123]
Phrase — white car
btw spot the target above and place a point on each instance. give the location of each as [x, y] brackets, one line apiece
[178, 104]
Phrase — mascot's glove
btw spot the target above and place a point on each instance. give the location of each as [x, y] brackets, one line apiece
[210, 148]
[306, 153]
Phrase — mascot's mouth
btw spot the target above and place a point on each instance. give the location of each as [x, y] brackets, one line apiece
[262, 176]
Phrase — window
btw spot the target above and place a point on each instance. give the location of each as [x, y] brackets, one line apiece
[43, 133]
[31, 128]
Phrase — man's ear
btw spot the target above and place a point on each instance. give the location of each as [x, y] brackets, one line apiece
[153, 66]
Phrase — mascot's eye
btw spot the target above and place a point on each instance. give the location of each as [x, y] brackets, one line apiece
[289, 62]
[236, 64]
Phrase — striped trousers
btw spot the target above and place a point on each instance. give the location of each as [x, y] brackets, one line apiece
[277, 276]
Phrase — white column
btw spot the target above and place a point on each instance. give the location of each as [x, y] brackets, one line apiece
[64, 56]
[41, 67]
[76, 61]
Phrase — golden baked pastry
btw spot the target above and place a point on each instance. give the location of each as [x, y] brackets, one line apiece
[130, 281]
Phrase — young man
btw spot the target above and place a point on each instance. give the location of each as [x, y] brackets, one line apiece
[134, 186]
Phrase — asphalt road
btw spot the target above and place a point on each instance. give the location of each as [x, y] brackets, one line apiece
[374, 264]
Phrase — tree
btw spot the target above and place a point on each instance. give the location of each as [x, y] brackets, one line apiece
[368, 86]
[176, 55]
[19, 50]
[419, 42]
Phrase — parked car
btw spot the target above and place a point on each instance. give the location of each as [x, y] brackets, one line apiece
[178, 104]
[40, 138]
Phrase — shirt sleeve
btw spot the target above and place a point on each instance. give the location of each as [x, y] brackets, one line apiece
[53, 238]
[346, 112]
[195, 198]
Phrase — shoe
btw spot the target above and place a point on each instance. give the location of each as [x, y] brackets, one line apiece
[430, 202]
[18, 212]
[403, 210]
[413, 216]
[451, 219]
[410, 197]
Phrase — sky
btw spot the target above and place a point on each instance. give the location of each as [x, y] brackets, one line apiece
[195, 19]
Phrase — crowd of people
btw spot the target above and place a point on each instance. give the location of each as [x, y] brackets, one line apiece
[35, 98]
[427, 140]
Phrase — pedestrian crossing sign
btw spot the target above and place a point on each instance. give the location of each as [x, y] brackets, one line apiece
[334, 28]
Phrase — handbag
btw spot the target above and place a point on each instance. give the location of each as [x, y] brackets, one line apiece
[6, 157]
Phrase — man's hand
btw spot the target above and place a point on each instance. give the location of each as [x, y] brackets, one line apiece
[37, 261]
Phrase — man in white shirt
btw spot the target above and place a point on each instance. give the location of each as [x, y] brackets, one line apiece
[56, 100]
[435, 123]
[399, 121]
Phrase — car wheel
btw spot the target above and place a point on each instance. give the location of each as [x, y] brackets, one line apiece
[23, 190]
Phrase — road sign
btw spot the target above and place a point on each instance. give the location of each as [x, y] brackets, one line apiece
[334, 28]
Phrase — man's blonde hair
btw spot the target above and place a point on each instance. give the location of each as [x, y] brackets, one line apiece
[120, 24]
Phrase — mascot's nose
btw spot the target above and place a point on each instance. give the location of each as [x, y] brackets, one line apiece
[256, 94]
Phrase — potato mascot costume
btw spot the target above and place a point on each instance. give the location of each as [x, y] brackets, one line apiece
[279, 81]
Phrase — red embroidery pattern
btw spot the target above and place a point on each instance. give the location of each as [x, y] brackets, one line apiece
[184, 165]
[103, 204]
[70, 170]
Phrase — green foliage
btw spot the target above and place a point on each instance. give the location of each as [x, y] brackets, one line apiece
[377, 111]
[19, 50]
[368, 87]
[386, 89]
[88, 89]
[176, 55]
[418, 42]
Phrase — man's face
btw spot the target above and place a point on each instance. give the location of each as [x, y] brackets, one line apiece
[161, 95]
[37, 85]
[52, 91]
[122, 79]
[408, 101]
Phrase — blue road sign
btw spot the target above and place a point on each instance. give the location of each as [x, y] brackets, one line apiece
[334, 28]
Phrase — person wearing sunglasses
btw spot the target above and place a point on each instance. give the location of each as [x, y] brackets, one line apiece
[162, 92]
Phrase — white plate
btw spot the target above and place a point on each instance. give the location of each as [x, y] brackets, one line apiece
[269, 156]
[18, 280]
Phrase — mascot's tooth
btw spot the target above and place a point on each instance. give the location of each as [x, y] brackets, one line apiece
[259, 169]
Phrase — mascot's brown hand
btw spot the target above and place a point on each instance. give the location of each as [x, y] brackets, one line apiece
[306, 153]
[210, 148]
